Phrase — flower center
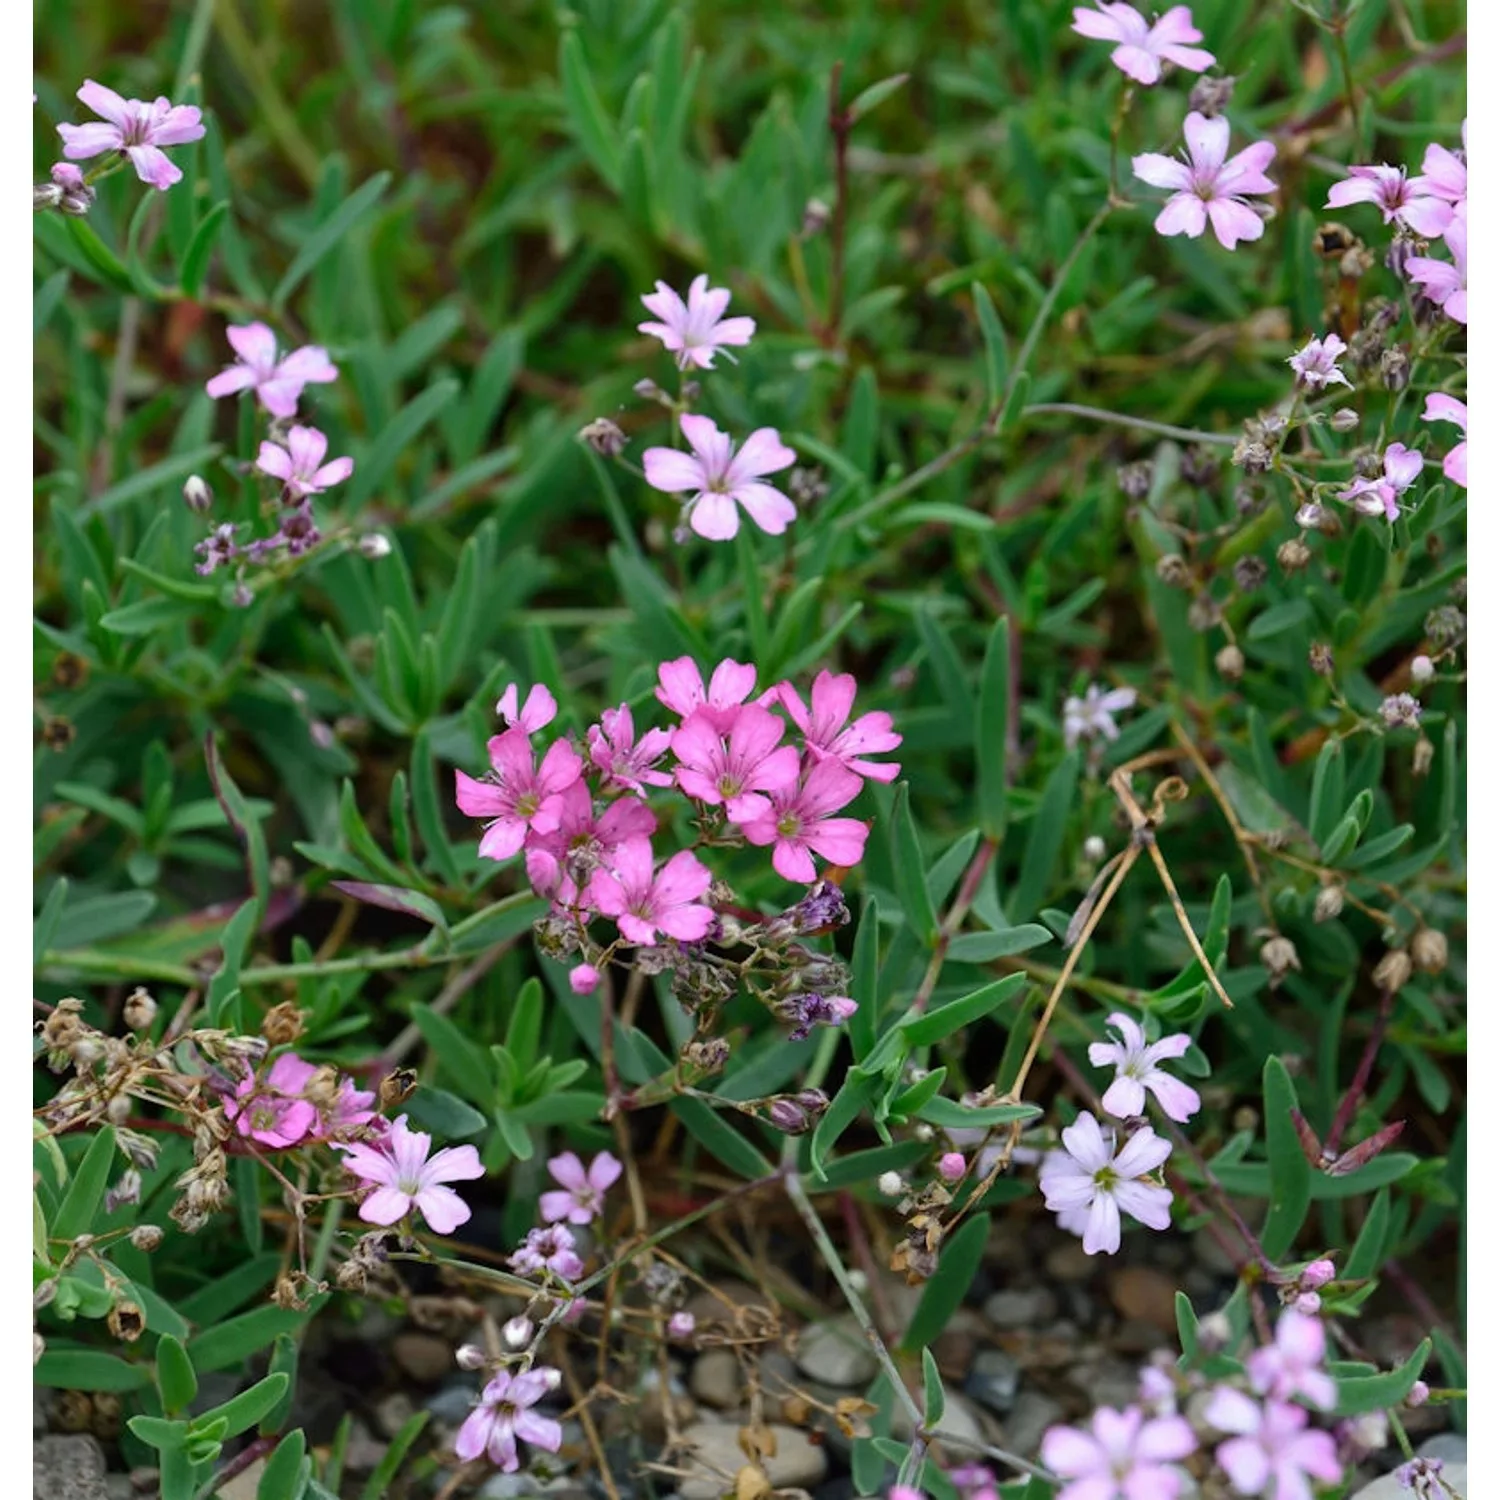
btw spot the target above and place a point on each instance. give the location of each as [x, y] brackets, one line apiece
[264, 1118]
[729, 786]
[408, 1185]
[789, 825]
[1106, 1178]
[527, 804]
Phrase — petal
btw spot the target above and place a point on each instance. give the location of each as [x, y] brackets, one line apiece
[667, 306]
[1161, 171]
[542, 1432]
[1182, 214]
[307, 445]
[711, 445]
[1194, 59]
[772, 511]
[561, 767]
[737, 331]
[1232, 1411]
[334, 472]
[568, 1170]
[1246, 171]
[108, 105]
[604, 1172]
[385, 1206]
[1456, 465]
[555, 1205]
[1175, 26]
[1096, 25]
[1152, 1206]
[274, 460]
[1234, 222]
[1246, 1464]
[1102, 1232]
[714, 517]
[502, 838]
[153, 167]
[227, 382]
[178, 126]
[1137, 63]
[762, 452]
[1444, 408]
[1429, 217]
[791, 861]
[1166, 1438]
[1178, 1100]
[683, 878]
[673, 471]
[478, 799]
[1352, 190]
[474, 1436]
[1143, 1152]
[1125, 1099]
[1085, 1143]
[443, 1209]
[1207, 141]
[841, 841]
[453, 1164]
[688, 924]
[829, 786]
[1070, 1452]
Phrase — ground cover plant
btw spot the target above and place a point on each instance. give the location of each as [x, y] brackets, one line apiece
[750, 762]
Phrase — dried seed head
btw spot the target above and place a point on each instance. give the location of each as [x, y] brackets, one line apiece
[1293, 555]
[1345, 419]
[806, 485]
[396, 1088]
[285, 1295]
[1421, 756]
[117, 1111]
[1249, 573]
[57, 732]
[1211, 96]
[1135, 480]
[282, 1024]
[126, 1321]
[1279, 955]
[1332, 240]
[108, 1416]
[1200, 466]
[1392, 972]
[1320, 658]
[1429, 951]
[1230, 661]
[606, 438]
[1355, 262]
[146, 1237]
[1445, 624]
[1395, 369]
[1401, 711]
[1173, 571]
[711, 1055]
[140, 1009]
[72, 1411]
[1251, 455]
[1329, 903]
[1204, 613]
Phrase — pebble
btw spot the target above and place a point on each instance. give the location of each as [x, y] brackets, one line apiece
[364, 1450]
[652, 1410]
[423, 1356]
[1451, 1447]
[954, 1347]
[1137, 1336]
[836, 1352]
[994, 1381]
[38, 1414]
[1033, 1414]
[1211, 1255]
[716, 1379]
[452, 1404]
[392, 1413]
[1144, 1293]
[717, 1457]
[245, 1484]
[1111, 1382]
[1030, 1307]
[1068, 1262]
[1388, 1487]
[68, 1466]
[119, 1487]
[712, 1307]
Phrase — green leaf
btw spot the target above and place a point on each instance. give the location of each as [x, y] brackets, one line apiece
[283, 1477]
[149, 616]
[996, 354]
[76, 1213]
[1291, 1173]
[459, 1057]
[373, 472]
[175, 1378]
[1361, 1393]
[992, 731]
[934, 1403]
[865, 1166]
[909, 870]
[168, 473]
[201, 248]
[925, 1030]
[443, 1114]
[328, 234]
[1187, 1326]
[88, 1370]
[246, 822]
[592, 127]
[284, 1355]
[45, 925]
[159, 1433]
[958, 1264]
[1044, 843]
[949, 1115]
[872, 97]
[982, 947]
[378, 1486]
[854, 1095]
[523, 1035]
[244, 1411]
[236, 1339]
[107, 266]
[1368, 1253]
[723, 1141]
[864, 980]
[395, 898]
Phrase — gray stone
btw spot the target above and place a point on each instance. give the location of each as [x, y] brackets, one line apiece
[452, 1404]
[1032, 1415]
[423, 1356]
[717, 1457]
[994, 1380]
[119, 1487]
[364, 1451]
[68, 1466]
[1451, 1447]
[1111, 1382]
[1069, 1261]
[1211, 1255]
[717, 1380]
[38, 1414]
[836, 1352]
[510, 1486]
[392, 1413]
[245, 1484]
[1030, 1307]
[1388, 1487]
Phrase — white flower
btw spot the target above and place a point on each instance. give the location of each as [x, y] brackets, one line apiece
[1135, 1061]
[1089, 1175]
[1092, 714]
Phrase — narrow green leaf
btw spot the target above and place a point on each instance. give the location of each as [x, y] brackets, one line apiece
[854, 1095]
[722, 1140]
[909, 870]
[1187, 1326]
[201, 248]
[242, 1412]
[1361, 1393]
[1368, 1253]
[328, 234]
[378, 1486]
[395, 898]
[591, 125]
[996, 354]
[88, 1370]
[925, 1030]
[874, 96]
[992, 730]
[983, 947]
[456, 1053]
[175, 1378]
[283, 1478]
[76, 1213]
[934, 1403]
[373, 472]
[1291, 1174]
[864, 980]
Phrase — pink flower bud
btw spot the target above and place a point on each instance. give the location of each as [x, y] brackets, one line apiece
[952, 1166]
[680, 1325]
[1319, 1273]
[1308, 1303]
[1418, 1394]
[584, 979]
[470, 1357]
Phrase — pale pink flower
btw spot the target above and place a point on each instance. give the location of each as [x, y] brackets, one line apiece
[798, 822]
[539, 710]
[1444, 408]
[681, 1325]
[560, 858]
[1142, 49]
[1399, 200]
[1089, 1174]
[627, 762]
[1447, 282]
[697, 329]
[272, 1110]
[580, 1197]
[719, 480]
[1123, 1456]
[827, 731]
[549, 1249]
[409, 1177]
[277, 383]
[299, 466]
[1293, 1365]
[733, 771]
[520, 796]
[138, 129]
[1315, 363]
[1273, 1447]
[1093, 714]
[351, 1106]
[1135, 1062]
[1445, 179]
[680, 688]
[645, 902]
[1375, 497]
[1207, 188]
[905, 1492]
[504, 1414]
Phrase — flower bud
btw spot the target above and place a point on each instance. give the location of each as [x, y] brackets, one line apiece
[952, 1166]
[1310, 517]
[117, 1111]
[1230, 661]
[1279, 955]
[1307, 1303]
[1392, 972]
[1401, 711]
[197, 495]
[374, 545]
[1345, 419]
[1318, 1273]
[1173, 571]
[1329, 903]
[681, 1325]
[789, 1116]
[1429, 951]
[922, 1131]
[1293, 555]
[648, 390]
[1320, 658]
[1094, 849]
[518, 1333]
[583, 979]
[1211, 96]
[890, 1184]
[38, 1346]
[1135, 480]
[45, 195]
[1214, 1332]
[1204, 612]
[1418, 1394]
[140, 1009]
[146, 1237]
[1249, 574]
[1422, 670]
[814, 1101]
[1395, 369]
[605, 437]
[470, 1357]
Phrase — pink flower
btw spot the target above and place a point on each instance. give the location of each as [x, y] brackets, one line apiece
[798, 821]
[1374, 497]
[504, 1414]
[1089, 1174]
[827, 731]
[351, 1106]
[733, 771]
[136, 128]
[277, 383]
[718, 480]
[521, 796]
[1445, 179]
[1135, 1062]
[1315, 363]
[680, 688]
[580, 1199]
[628, 762]
[1273, 1446]
[681, 1325]
[1124, 1456]
[1293, 1365]
[1093, 714]
[67, 176]
[1207, 188]
[1142, 49]
[697, 329]
[409, 1178]
[549, 1249]
[1442, 282]
[1444, 408]
[300, 465]
[272, 1111]
[1399, 201]
[905, 1492]
[952, 1166]
[644, 902]
[560, 859]
[539, 710]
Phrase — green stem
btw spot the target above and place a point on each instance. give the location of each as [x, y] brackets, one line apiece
[1098, 414]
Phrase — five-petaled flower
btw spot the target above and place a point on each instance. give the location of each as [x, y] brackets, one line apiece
[697, 329]
[1445, 178]
[1135, 1061]
[1272, 1444]
[538, 711]
[580, 1196]
[1142, 49]
[798, 822]
[299, 466]
[680, 688]
[272, 1110]
[521, 795]
[1444, 408]
[549, 1249]
[1088, 1174]
[277, 383]
[1293, 1365]
[1377, 497]
[625, 761]
[138, 129]
[1124, 1455]
[1315, 363]
[1400, 199]
[504, 1414]
[1207, 188]
[644, 901]
[829, 734]
[736, 769]
[719, 481]
[1093, 714]
[408, 1175]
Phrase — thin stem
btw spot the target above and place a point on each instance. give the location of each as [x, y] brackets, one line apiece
[1120, 419]
[1355, 1092]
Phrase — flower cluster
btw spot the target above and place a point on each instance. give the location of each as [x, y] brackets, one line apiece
[295, 1102]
